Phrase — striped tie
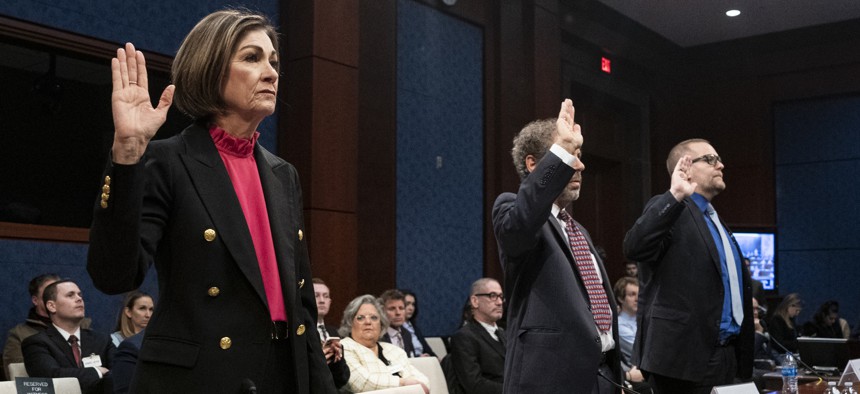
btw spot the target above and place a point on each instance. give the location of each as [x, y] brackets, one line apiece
[582, 257]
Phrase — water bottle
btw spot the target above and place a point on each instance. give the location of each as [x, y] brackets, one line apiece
[849, 388]
[789, 374]
[831, 388]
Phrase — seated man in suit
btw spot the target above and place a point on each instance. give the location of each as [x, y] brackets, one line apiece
[65, 349]
[394, 303]
[37, 321]
[478, 349]
[331, 347]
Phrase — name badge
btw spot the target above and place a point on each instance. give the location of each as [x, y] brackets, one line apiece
[94, 360]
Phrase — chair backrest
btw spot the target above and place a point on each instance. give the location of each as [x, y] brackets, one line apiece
[67, 386]
[414, 389]
[438, 346]
[8, 388]
[430, 367]
[17, 370]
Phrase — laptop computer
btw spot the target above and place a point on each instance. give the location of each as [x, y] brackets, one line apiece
[824, 353]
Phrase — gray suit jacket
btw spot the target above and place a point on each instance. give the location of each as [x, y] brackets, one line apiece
[553, 345]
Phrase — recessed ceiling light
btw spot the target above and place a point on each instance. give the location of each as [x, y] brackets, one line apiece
[733, 13]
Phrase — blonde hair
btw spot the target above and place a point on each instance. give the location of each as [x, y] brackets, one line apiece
[203, 59]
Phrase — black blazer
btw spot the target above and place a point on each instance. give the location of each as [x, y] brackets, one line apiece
[125, 363]
[681, 292]
[478, 360]
[212, 329]
[552, 341]
[48, 355]
[427, 349]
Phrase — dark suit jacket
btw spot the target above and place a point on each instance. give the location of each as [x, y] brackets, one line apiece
[48, 355]
[418, 334]
[552, 341]
[212, 328]
[478, 360]
[125, 363]
[681, 292]
[408, 347]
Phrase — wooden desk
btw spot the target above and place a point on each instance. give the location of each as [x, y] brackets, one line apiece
[773, 381]
[814, 387]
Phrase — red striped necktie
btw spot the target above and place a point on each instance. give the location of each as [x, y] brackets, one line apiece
[582, 257]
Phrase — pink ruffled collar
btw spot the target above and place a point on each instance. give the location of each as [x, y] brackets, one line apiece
[226, 143]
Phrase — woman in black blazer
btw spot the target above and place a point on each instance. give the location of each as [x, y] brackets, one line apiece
[218, 215]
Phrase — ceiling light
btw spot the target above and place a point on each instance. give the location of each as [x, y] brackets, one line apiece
[733, 13]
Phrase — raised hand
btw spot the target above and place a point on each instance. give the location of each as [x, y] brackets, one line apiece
[682, 184]
[568, 133]
[135, 120]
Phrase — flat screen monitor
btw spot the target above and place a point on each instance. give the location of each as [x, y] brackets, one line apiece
[760, 249]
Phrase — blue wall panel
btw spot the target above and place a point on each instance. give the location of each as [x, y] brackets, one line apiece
[439, 161]
[817, 162]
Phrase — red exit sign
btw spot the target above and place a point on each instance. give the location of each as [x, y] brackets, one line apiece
[605, 65]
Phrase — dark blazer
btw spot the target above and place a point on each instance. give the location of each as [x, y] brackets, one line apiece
[125, 363]
[408, 347]
[48, 355]
[552, 341]
[681, 292]
[478, 360]
[427, 349]
[212, 329]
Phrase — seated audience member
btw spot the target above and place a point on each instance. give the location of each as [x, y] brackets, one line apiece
[394, 304]
[37, 321]
[782, 327]
[627, 295]
[65, 349]
[631, 269]
[136, 311]
[125, 362]
[374, 365]
[825, 322]
[762, 349]
[419, 344]
[328, 336]
[478, 349]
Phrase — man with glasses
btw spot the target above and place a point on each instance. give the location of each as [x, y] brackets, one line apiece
[695, 315]
[562, 331]
[478, 348]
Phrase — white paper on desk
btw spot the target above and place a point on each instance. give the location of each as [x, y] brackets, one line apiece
[851, 373]
[746, 388]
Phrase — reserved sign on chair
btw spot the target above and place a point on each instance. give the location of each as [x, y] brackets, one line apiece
[30, 385]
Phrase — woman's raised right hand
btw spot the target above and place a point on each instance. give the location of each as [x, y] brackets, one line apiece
[135, 120]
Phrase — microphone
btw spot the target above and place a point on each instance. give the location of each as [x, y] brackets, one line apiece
[799, 361]
[248, 386]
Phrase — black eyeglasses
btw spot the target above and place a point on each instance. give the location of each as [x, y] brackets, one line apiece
[710, 159]
[492, 296]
